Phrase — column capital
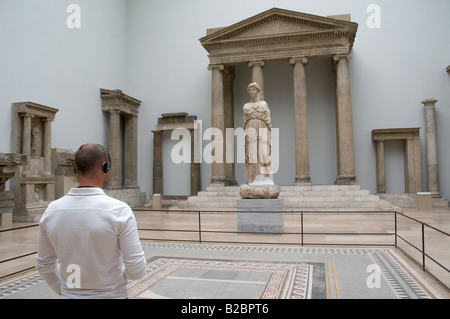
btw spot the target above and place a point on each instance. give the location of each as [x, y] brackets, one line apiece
[294, 60]
[337, 57]
[112, 111]
[251, 63]
[27, 115]
[221, 67]
[429, 102]
[47, 119]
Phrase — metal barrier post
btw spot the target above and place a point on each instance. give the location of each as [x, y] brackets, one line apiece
[301, 226]
[199, 228]
[423, 246]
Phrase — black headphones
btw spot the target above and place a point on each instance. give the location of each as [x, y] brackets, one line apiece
[106, 166]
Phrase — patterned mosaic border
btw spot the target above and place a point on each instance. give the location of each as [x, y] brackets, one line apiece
[401, 282]
[250, 248]
[287, 281]
[20, 284]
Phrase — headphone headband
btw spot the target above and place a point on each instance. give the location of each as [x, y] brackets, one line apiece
[106, 166]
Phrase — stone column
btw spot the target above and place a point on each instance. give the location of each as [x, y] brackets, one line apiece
[157, 163]
[432, 153]
[344, 123]
[302, 173]
[381, 175]
[228, 97]
[217, 121]
[114, 149]
[195, 169]
[257, 75]
[47, 146]
[26, 140]
[130, 151]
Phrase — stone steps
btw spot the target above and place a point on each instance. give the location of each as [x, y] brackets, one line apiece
[320, 197]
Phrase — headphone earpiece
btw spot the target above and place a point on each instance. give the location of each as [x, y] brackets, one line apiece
[106, 167]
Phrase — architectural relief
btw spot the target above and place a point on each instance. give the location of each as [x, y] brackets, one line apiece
[34, 182]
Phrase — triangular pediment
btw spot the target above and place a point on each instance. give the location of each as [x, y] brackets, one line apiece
[278, 25]
[274, 26]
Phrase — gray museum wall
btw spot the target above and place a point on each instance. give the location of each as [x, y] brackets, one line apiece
[151, 51]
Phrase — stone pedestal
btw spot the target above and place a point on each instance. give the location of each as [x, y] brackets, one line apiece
[260, 216]
[259, 192]
[6, 208]
[156, 201]
[424, 201]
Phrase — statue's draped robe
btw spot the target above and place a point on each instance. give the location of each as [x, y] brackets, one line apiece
[258, 154]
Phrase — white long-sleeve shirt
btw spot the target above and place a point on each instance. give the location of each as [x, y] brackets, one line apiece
[94, 237]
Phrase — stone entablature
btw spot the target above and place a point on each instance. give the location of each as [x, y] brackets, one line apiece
[116, 100]
[279, 34]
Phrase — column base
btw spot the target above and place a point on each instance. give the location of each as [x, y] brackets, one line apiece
[435, 194]
[302, 180]
[230, 182]
[346, 180]
[218, 181]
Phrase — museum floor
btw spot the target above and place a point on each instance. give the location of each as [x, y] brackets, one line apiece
[244, 263]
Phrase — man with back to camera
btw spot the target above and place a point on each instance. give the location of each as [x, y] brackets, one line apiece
[92, 235]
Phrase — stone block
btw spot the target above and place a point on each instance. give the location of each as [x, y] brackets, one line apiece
[260, 216]
[424, 201]
[156, 201]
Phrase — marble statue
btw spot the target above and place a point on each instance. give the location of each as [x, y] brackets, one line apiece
[258, 157]
[35, 141]
[258, 149]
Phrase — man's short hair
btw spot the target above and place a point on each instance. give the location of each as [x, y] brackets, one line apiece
[89, 158]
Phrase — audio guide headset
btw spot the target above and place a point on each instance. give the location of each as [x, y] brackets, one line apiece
[106, 166]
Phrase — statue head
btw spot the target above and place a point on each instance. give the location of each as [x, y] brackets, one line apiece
[254, 85]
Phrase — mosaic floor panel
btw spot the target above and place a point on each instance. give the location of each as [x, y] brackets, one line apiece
[199, 271]
[217, 279]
